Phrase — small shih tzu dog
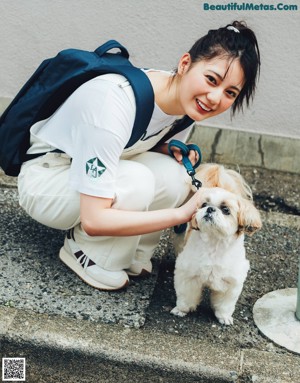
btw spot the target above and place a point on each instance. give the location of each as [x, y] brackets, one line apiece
[213, 253]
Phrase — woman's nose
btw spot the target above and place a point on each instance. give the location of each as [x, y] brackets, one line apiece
[214, 97]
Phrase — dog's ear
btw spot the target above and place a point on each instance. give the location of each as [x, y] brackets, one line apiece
[193, 223]
[209, 175]
[249, 220]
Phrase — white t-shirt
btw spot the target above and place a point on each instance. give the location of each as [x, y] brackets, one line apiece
[93, 127]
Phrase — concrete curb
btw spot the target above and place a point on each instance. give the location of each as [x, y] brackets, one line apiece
[148, 357]
[227, 146]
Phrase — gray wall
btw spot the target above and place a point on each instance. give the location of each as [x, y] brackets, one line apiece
[156, 33]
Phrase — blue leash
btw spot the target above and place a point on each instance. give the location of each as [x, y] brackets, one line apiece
[185, 149]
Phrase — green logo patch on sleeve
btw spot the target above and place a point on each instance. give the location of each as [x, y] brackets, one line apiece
[94, 168]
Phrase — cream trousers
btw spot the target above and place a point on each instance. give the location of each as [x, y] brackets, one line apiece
[148, 181]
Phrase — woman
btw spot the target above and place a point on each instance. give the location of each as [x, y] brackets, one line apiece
[116, 201]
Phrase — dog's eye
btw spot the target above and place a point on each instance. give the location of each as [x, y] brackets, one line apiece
[204, 205]
[225, 210]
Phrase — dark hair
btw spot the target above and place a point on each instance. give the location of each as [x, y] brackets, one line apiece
[237, 42]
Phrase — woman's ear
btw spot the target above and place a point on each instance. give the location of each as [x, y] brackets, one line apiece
[184, 64]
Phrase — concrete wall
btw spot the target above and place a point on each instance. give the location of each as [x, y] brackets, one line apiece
[156, 33]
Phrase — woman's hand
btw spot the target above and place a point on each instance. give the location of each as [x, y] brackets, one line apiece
[193, 155]
[191, 206]
[163, 148]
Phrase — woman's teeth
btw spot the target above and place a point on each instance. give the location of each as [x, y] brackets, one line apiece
[203, 106]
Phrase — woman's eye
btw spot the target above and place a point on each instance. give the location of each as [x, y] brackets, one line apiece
[211, 79]
[225, 210]
[232, 94]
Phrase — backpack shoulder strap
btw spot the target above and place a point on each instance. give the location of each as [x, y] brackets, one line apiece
[144, 98]
[141, 86]
[178, 126]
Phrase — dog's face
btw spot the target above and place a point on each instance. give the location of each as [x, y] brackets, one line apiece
[225, 214]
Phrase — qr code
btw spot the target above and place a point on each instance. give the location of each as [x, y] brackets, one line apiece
[13, 369]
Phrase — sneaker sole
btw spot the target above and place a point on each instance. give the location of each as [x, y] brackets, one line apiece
[74, 266]
[143, 273]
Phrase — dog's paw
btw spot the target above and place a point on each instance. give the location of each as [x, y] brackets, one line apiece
[227, 320]
[177, 312]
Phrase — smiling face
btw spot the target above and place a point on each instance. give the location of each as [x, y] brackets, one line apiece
[208, 88]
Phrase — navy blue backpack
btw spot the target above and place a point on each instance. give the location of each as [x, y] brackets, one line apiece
[54, 81]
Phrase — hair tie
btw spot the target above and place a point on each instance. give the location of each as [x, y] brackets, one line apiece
[232, 28]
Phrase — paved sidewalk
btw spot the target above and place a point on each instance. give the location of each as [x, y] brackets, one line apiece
[69, 332]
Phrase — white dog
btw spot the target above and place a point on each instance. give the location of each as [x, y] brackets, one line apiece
[213, 255]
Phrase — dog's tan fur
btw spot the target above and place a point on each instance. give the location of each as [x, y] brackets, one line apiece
[215, 175]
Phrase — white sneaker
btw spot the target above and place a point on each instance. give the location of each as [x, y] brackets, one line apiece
[87, 270]
[138, 269]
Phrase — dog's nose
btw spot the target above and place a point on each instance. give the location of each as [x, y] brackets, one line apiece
[210, 209]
